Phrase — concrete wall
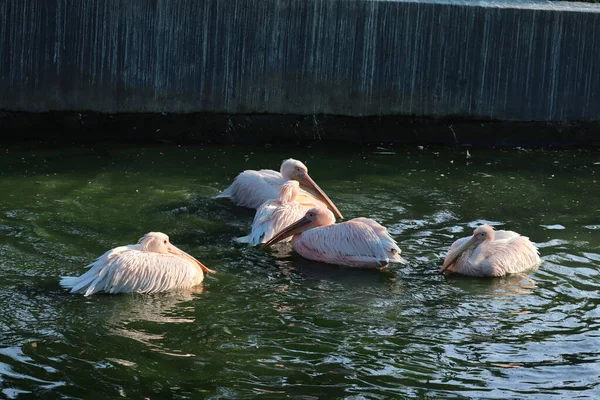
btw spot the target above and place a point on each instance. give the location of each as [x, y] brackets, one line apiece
[517, 61]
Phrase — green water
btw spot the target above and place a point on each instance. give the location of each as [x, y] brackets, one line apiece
[272, 325]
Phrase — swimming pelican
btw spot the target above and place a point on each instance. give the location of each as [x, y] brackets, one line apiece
[274, 215]
[359, 242]
[151, 265]
[491, 253]
[252, 188]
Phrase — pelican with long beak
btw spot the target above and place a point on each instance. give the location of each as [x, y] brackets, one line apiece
[491, 253]
[359, 242]
[274, 215]
[253, 188]
[151, 265]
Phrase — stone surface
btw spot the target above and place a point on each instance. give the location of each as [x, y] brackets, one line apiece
[484, 60]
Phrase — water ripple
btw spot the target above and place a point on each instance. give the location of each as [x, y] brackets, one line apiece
[272, 324]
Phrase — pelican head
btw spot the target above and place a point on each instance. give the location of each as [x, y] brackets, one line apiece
[316, 216]
[158, 242]
[481, 234]
[296, 170]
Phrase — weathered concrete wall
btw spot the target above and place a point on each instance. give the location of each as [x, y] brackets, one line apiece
[486, 60]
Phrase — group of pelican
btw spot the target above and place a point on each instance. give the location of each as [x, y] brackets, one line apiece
[291, 206]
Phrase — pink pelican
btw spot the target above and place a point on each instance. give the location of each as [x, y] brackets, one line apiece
[359, 242]
[274, 215]
[491, 253]
[252, 188]
[151, 265]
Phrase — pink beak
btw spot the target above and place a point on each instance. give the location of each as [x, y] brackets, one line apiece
[454, 254]
[180, 253]
[292, 229]
[307, 180]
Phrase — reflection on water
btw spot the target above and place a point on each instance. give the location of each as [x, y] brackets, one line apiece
[129, 318]
[168, 307]
[510, 285]
[271, 323]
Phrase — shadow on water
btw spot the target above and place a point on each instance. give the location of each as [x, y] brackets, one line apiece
[290, 262]
[510, 285]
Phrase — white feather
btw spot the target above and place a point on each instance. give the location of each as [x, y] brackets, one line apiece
[507, 253]
[127, 269]
[387, 241]
[252, 188]
[272, 217]
[353, 243]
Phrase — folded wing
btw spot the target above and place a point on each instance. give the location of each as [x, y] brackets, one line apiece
[124, 270]
[353, 243]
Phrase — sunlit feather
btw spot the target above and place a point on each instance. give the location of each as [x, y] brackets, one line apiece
[491, 253]
[274, 215]
[360, 242]
[253, 188]
[153, 265]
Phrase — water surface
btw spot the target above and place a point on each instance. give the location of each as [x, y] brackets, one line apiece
[273, 325]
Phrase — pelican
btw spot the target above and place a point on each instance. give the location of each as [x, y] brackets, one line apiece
[274, 215]
[252, 188]
[151, 265]
[359, 242]
[491, 253]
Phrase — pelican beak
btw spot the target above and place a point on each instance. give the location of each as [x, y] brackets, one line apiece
[305, 179]
[454, 254]
[292, 229]
[180, 253]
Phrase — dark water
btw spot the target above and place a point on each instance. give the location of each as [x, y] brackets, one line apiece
[272, 325]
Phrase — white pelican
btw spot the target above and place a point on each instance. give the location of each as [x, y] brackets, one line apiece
[152, 265]
[274, 215]
[252, 188]
[359, 242]
[491, 253]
